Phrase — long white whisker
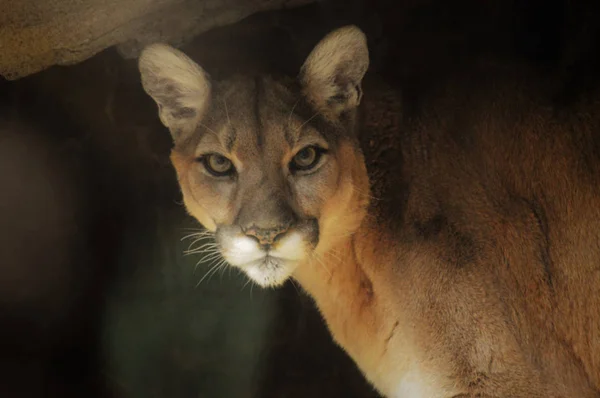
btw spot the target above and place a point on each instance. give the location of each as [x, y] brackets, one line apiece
[209, 129]
[294, 283]
[207, 244]
[205, 275]
[212, 256]
[227, 112]
[316, 257]
[292, 112]
[247, 282]
[306, 121]
[204, 248]
[201, 252]
[196, 235]
[193, 232]
[197, 264]
[334, 255]
[364, 193]
[213, 268]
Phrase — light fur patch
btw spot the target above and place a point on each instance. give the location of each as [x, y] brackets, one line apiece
[336, 66]
[175, 82]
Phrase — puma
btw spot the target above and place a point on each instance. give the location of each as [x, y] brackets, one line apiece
[477, 271]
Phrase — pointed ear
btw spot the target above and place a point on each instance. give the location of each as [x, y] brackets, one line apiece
[180, 88]
[331, 75]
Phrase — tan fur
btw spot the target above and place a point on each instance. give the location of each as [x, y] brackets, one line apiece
[482, 278]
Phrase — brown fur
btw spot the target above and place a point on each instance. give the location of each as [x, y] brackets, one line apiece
[475, 274]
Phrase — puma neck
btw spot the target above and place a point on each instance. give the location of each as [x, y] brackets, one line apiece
[347, 289]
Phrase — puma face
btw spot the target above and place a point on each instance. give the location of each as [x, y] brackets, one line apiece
[271, 167]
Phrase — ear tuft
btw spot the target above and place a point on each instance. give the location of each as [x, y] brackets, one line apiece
[180, 87]
[332, 74]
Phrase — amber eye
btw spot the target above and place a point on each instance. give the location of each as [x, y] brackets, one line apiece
[307, 158]
[217, 165]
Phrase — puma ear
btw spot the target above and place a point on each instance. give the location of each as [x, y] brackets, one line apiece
[331, 75]
[180, 87]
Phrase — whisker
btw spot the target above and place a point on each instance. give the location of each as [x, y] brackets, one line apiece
[196, 229]
[212, 256]
[196, 234]
[295, 284]
[202, 240]
[204, 248]
[210, 243]
[197, 264]
[316, 257]
[209, 129]
[195, 241]
[203, 253]
[247, 282]
[216, 269]
[334, 255]
[364, 193]
[346, 235]
[306, 121]
[205, 275]
[292, 112]
[223, 268]
[227, 112]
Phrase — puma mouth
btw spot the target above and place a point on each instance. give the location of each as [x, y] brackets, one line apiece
[269, 271]
[268, 262]
[266, 265]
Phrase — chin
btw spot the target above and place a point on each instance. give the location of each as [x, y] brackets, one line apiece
[270, 271]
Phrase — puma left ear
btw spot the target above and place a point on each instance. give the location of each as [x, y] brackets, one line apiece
[178, 85]
[331, 75]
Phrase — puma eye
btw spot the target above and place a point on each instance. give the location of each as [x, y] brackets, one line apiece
[307, 158]
[217, 165]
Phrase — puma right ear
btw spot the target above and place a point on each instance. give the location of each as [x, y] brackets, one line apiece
[331, 75]
[180, 88]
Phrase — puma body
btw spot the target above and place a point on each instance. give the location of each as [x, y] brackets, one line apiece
[471, 267]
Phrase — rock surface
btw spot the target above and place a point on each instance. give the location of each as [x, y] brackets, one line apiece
[35, 35]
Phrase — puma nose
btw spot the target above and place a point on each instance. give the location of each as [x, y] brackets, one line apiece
[266, 236]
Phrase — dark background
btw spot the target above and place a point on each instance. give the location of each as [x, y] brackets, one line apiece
[96, 296]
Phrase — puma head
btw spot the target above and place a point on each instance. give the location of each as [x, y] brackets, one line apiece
[271, 166]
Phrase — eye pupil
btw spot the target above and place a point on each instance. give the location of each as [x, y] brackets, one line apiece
[306, 153]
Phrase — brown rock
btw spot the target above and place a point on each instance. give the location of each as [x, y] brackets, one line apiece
[35, 35]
